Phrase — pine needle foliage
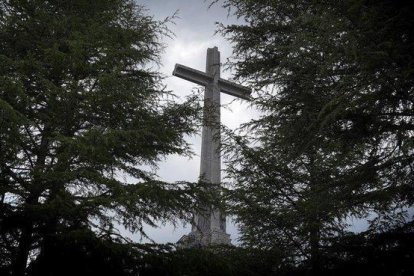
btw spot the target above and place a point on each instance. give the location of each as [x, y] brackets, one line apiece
[83, 112]
[334, 82]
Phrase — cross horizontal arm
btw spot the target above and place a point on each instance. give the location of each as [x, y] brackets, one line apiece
[202, 78]
[234, 89]
[192, 75]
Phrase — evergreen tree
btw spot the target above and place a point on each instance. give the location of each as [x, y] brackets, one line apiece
[82, 114]
[334, 81]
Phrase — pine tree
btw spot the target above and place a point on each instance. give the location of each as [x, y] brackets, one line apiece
[335, 86]
[82, 114]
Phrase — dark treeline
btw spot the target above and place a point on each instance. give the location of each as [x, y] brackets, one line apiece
[81, 112]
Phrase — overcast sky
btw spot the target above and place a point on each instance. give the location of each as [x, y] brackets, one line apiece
[194, 31]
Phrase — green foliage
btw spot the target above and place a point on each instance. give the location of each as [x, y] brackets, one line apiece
[368, 253]
[334, 83]
[214, 260]
[82, 114]
[82, 253]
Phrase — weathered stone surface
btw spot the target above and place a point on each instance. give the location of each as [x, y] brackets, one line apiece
[210, 224]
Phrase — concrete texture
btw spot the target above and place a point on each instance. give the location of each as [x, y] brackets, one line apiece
[210, 224]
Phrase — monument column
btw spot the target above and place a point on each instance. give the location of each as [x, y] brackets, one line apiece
[209, 223]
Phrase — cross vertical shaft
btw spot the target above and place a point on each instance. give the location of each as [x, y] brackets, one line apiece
[211, 221]
[210, 145]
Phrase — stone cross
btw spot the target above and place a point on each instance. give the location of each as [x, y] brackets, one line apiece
[210, 225]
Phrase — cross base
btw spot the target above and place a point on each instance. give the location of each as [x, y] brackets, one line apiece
[198, 239]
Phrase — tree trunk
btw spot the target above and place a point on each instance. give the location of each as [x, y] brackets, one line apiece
[314, 250]
[20, 262]
[314, 217]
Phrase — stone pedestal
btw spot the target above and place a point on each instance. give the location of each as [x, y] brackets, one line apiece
[197, 239]
[207, 231]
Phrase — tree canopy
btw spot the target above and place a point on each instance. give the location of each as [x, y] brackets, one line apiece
[334, 83]
[83, 112]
